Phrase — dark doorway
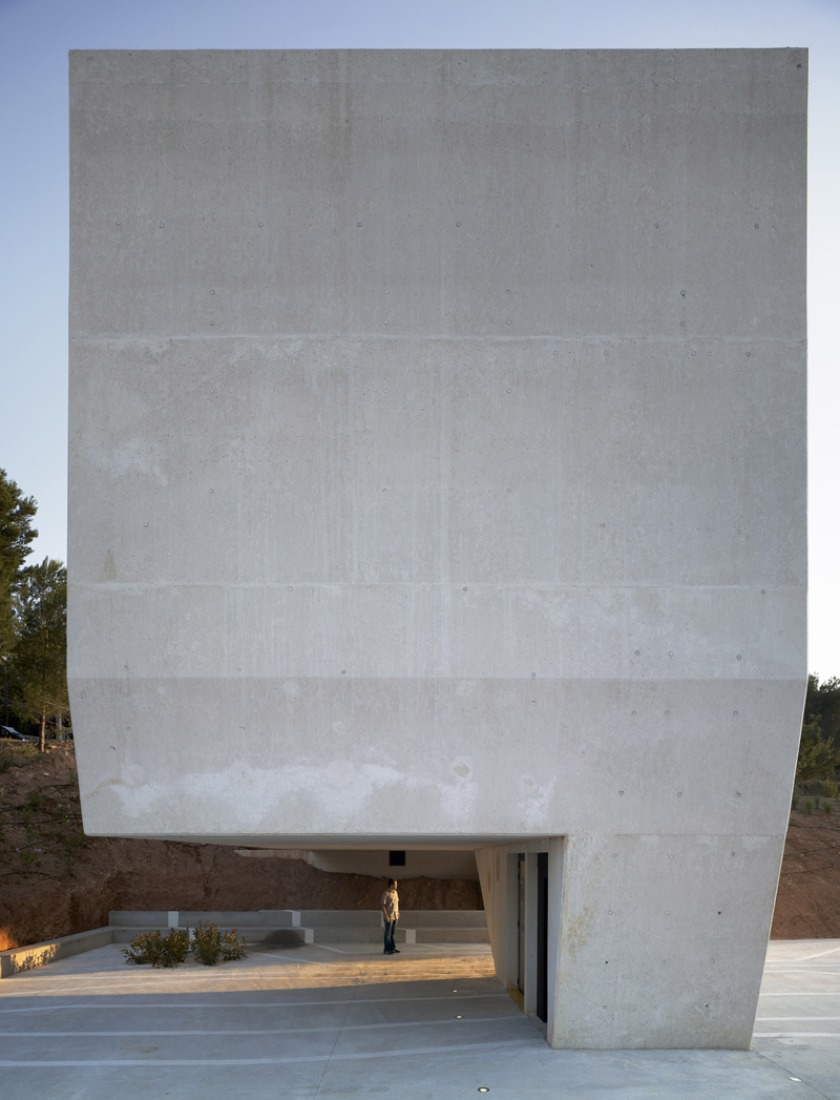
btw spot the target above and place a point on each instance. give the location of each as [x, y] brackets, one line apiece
[520, 922]
[542, 936]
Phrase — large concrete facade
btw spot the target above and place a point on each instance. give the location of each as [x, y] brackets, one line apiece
[438, 481]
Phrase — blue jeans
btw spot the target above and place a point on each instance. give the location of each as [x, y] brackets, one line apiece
[390, 929]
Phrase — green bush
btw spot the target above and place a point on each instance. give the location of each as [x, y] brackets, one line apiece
[232, 946]
[209, 946]
[151, 948]
[17, 755]
[818, 759]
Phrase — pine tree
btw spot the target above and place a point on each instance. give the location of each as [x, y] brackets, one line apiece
[39, 661]
[16, 532]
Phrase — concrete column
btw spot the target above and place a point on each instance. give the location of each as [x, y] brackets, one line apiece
[661, 940]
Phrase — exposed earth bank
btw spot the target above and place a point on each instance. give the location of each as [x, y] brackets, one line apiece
[55, 881]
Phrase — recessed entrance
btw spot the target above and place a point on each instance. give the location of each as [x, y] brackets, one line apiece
[525, 948]
[542, 936]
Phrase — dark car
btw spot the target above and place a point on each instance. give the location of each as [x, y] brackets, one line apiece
[8, 734]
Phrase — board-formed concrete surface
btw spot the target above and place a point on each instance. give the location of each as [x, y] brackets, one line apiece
[318, 1022]
[437, 480]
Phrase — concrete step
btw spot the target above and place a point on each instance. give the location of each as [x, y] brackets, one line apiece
[187, 918]
[291, 926]
[17, 959]
[254, 934]
[340, 918]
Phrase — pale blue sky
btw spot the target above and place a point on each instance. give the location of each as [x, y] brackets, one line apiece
[35, 36]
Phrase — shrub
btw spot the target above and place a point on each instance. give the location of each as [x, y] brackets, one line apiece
[232, 946]
[17, 755]
[151, 948]
[210, 947]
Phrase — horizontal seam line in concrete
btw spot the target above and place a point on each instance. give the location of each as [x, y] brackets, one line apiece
[540, 586]
[482, 337]
[401, 1053]
[796, 1035]
[279, 1031]
[179, 1006]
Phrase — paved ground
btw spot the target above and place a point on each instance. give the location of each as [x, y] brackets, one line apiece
[320, 1022]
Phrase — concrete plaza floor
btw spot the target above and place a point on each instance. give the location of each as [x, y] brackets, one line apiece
[329, 1021]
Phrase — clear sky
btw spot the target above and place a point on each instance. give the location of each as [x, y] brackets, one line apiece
[35, 36]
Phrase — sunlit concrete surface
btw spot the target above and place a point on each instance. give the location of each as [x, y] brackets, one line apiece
[334, 1021]
[798, 1020]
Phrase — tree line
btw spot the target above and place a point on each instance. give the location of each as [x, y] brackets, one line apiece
[818, 764]
[33, 624]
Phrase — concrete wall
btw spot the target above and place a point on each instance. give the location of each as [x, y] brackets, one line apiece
[438, 478]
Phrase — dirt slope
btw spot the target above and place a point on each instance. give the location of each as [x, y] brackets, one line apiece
[808, 901]
[55, 881]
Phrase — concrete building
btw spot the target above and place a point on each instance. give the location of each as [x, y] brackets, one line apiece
[438, 485]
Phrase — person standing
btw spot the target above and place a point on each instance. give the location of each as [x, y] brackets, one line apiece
[391, 914]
